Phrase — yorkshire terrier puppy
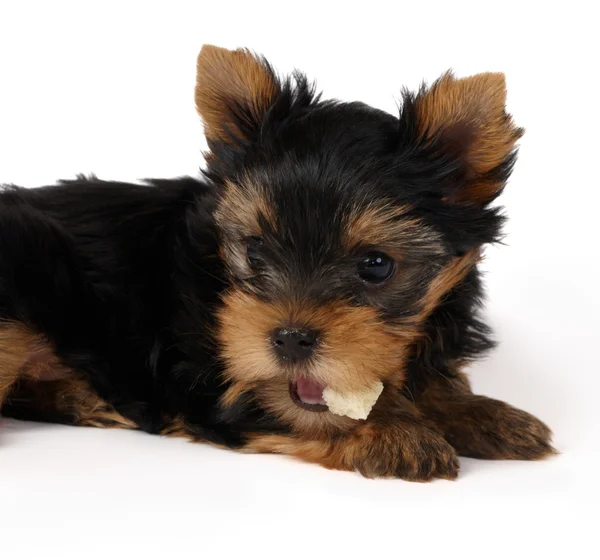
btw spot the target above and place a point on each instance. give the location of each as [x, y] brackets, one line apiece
[328, 245]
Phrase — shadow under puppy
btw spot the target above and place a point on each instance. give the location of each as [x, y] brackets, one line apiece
[331, 250]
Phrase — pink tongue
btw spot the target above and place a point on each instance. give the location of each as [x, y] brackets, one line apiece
[309, 391]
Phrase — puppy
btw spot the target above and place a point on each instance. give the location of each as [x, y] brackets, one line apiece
[328, 245]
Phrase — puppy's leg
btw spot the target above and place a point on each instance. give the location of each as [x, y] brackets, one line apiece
[65, 401]
[394, 442]
[34, 384]
[17, 347]
[481, 427]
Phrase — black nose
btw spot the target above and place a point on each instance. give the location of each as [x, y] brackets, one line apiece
[294, 344]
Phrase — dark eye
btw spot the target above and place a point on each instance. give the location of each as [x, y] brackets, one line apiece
[254, 246]
[376, 268]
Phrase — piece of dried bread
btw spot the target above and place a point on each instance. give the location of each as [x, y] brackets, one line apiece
[354, 405]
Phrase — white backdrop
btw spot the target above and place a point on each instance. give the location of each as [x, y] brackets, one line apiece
[108, 88]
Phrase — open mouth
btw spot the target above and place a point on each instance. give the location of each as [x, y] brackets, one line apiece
[308, 394]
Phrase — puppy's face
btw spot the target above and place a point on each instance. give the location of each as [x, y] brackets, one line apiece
[342, 227]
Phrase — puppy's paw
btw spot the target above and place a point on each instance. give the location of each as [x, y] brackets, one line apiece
[409, 452]
[492, 429]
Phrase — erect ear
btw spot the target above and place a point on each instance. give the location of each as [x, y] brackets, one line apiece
[467, 119]
[234, 89]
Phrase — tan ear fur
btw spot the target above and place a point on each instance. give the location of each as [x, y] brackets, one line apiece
[228, 81]
[468, 116]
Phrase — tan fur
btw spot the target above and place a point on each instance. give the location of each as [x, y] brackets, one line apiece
[396, 441]
[356, 348]
[72, 398]
[30, 370]
[405, 450]
[246, 203]
[241, 211]
[15, 341]
[225, 78]
[235, 391]
[468, 114]
[385, 225]
[274, 396]
[449, 277]
[24, 353]
[176, 428]
[90, 410]
[349, 335]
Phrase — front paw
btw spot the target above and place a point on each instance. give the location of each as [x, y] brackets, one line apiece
[410, 452]
[492, 429]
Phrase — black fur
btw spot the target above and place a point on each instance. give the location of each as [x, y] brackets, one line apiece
[124, 279]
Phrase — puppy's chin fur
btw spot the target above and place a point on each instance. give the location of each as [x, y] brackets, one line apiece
[351, 233]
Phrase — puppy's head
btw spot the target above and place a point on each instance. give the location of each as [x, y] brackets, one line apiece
[342, 227]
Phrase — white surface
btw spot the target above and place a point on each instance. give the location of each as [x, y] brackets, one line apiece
[109, 90]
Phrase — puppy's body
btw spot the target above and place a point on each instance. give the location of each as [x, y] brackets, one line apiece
[331, 245]
[120, 283]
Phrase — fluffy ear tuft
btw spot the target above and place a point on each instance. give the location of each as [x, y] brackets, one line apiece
[467, 117]
[234, 89]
